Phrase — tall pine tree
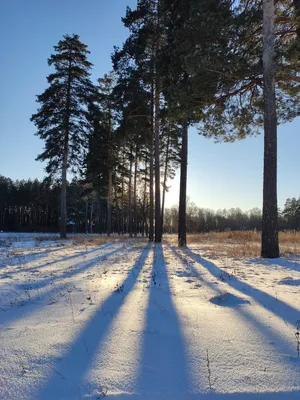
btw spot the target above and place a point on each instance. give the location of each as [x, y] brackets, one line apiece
[61, 118]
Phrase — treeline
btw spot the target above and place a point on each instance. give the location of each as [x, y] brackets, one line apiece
[226, 66]
[34, 206]
[201, 220]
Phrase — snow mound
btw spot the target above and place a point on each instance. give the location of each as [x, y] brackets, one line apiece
[228, 300]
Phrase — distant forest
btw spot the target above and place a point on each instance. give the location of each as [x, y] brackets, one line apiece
[34, 206]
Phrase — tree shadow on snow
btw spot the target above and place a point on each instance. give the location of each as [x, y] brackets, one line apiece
[282, 348]
[79, 357]
[56, 261]
[163, 360]
[284, 395]
[282, 310]
[278, 262]
[69, 272]
[27, 301]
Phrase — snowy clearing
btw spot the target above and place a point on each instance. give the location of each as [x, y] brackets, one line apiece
[129, 320]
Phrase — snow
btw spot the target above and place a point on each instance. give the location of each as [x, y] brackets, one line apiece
[132, 320]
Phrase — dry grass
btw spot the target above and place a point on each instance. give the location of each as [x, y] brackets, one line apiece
[95, 240]
[237, 244]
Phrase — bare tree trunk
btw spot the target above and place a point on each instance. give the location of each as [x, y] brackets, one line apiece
[144, 198]
[63, 197]
[117, 207]
[130, 197]
[109, 183]
[165, 182]
[183, 184]
[122, 199]
[151, 180]
[157, 167]
[158, 234]
[3, 218]
[134, 193]
[109, 195]
[91, 216]
[270, 246]
[86, 216]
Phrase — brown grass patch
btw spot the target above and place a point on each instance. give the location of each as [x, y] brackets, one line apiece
[239, 244]
[96, 240]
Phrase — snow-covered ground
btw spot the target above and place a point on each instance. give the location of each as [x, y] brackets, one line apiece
[129, 320]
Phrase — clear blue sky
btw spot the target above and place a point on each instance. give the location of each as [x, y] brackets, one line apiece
[219, 175]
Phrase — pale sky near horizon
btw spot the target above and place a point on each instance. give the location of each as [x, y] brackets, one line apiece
[219, 175]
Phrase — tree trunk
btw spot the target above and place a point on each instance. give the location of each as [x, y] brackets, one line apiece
[157, 162]
[134, 193]
[86, 217]
[270, 246]
[63, 198]
[109, 195]
[122, 199]
[3, 218]
[144, 198]
[165, 182]
[183, 184]
[109, 183]
[91, 216]
[117, 207]
[130, 197]
[151, 180]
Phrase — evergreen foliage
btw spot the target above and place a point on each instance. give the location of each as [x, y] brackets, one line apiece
[61, 120]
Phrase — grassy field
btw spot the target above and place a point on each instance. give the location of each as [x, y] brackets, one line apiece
[240, 243]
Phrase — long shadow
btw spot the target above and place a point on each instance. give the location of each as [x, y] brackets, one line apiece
[282, 262]
[75, 269]
[36, 255]
[283, 310]
[82, 351]
[284, 395]
[63, 259]
[20, 313]
[163, 359]
[265, 330]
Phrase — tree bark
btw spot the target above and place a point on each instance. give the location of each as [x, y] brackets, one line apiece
[270, 246]
[134, 193]
[109, 195]
[110, 173]
[117, 207]
[151, 180]
[91, 216]
[158, 235]
[130, 197]
[144, 198]
[165, 182]
[63, 200]
[122, 200]
[183, 184]
[157, 168]
[86, 217]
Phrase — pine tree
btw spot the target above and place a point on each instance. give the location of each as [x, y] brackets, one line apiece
[61, 119]
[191, 25]
[270, 246]
[141, 52]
